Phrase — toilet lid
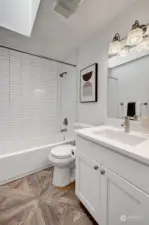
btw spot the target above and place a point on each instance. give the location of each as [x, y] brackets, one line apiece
[62, 151]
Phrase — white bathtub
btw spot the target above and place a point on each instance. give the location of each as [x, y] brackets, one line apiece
[26, 156]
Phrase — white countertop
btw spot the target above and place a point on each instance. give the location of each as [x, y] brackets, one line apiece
[138, 152]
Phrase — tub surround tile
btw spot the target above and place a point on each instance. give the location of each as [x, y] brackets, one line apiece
[33, 200]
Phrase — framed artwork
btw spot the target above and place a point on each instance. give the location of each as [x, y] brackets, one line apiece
[88, 84]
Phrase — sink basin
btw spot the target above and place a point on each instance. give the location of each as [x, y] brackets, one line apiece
[121, 137]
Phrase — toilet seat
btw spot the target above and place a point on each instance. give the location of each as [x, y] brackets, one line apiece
[62, 152]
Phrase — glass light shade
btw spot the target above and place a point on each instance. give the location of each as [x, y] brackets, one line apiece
[147, 30]
[115, 47]
[124, 51]
[135, 36]
[143, 45]
[123, 42]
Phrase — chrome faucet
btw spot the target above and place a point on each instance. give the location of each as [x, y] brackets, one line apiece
[126, 124]
[64, 130]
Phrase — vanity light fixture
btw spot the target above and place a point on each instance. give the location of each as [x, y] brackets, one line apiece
[138, 36]
[124, 51]
[135, 35]
[147, 30]
[115, 45]
[143, 45]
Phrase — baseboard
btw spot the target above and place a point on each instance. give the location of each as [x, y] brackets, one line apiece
[25, 174]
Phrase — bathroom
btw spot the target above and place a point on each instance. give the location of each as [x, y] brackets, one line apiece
[67, 157]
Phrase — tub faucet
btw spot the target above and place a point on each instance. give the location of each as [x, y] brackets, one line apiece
[64, 130]
[126, 124]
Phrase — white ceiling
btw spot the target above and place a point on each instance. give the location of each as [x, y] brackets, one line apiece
[55, 36]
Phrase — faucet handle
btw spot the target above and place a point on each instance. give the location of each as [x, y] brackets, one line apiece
[126, 122]
[65, 122]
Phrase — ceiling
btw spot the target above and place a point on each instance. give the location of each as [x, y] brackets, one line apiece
[18, 16]
[55, 36]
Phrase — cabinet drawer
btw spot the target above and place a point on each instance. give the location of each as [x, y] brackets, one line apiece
[131, 170]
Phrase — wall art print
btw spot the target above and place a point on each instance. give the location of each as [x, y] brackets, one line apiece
[88, 84]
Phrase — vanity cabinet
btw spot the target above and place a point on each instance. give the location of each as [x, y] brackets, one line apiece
[122, 201]
[88, 185]
[110, 199]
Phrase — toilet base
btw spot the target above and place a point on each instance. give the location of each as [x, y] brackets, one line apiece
[63, 176]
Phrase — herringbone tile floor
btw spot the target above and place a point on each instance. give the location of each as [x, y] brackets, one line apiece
[33, 200]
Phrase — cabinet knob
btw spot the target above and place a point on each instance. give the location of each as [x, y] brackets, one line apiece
[96, 167]
[102, 172]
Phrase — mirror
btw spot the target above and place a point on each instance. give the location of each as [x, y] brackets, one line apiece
[128, 85]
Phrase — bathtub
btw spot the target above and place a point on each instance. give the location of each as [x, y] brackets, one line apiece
[24, 157]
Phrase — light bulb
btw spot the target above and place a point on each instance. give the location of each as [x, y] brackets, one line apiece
[115, 47]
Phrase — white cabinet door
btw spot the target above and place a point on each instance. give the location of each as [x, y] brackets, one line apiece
[88, 184]
[122, 203]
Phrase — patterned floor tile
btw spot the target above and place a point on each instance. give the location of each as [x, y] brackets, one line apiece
[33, 200]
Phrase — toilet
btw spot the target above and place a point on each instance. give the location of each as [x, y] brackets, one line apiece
[62, 158]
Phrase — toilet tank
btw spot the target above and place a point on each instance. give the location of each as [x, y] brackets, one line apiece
[78, 125]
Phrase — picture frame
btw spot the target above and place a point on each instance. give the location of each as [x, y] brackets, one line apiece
[89, 84]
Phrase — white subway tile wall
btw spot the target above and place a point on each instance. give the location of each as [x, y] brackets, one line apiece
[33, 98]
[4, 94]
[68, 96]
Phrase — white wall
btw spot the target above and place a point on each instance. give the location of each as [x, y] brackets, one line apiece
[18, 16]
[95, 50]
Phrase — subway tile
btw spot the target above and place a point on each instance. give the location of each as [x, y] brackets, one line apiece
[33, 100]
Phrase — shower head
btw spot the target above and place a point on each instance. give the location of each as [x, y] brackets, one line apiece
[62, 74]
